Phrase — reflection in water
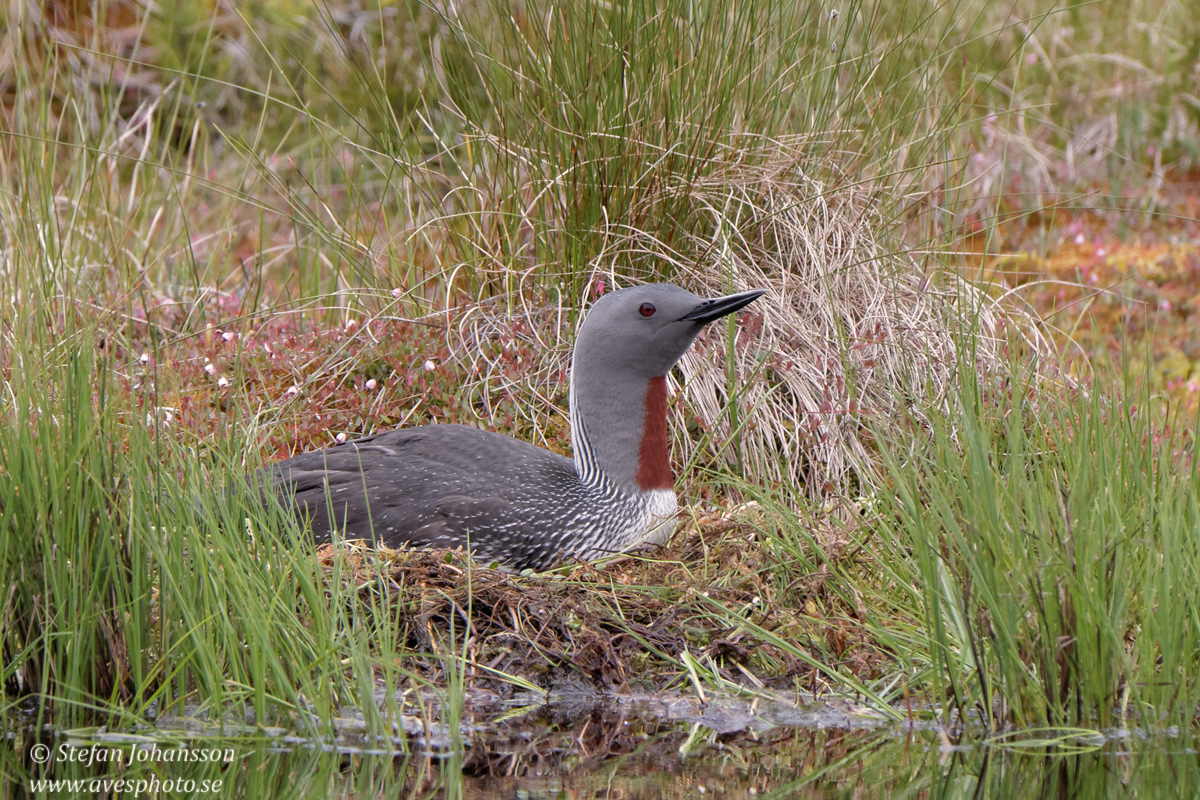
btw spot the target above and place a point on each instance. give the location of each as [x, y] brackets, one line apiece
[610, 753]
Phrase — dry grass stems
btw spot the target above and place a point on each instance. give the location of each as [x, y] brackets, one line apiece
[854, 338]
[609, 622]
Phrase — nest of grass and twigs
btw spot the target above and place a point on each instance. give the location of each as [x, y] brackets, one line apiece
[709, 596]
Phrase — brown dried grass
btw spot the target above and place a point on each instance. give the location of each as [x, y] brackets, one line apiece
[857, 334]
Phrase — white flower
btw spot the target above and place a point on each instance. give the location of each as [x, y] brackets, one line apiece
[161, 415]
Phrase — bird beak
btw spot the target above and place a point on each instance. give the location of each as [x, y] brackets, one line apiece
[718, 307]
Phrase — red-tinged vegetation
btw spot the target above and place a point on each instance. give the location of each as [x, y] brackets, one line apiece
[1121, 292]
[307, 384]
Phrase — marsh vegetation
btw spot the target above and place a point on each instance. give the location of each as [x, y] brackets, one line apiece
[945, 468]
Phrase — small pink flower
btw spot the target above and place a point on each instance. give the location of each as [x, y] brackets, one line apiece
[222, 382]
[429, 365]
[371, 384]
[341, 438]
[1079, 238]
[210, 368]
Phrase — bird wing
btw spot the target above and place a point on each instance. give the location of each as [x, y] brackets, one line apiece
[438, 485]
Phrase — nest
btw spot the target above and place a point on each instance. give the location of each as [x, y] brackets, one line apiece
[628, 623]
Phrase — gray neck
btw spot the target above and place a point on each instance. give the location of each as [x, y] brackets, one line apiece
[618, 427]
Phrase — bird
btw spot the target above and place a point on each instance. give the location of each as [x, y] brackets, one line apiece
[509, 502]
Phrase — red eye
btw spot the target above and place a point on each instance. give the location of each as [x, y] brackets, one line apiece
[647, 310]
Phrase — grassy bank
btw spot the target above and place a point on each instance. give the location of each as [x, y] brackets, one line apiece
[228, 239]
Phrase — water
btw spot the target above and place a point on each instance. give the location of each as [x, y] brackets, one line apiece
[584, 746]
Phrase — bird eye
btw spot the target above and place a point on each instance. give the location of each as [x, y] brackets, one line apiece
[647, 310]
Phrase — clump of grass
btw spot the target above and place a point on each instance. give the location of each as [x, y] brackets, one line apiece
[592, 109]
[855, 339]
[134, 589]
[852, 338]
[1051, 543]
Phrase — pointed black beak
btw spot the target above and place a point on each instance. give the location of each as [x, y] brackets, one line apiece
[718, 307]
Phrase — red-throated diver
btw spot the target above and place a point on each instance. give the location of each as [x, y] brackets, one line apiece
[512, 502]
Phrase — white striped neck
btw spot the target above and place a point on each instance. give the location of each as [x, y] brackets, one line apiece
[619, 434]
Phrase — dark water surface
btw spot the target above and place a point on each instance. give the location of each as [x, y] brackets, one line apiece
[651, 747]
